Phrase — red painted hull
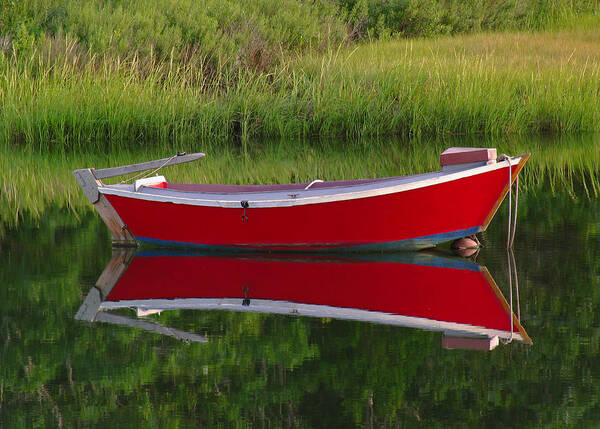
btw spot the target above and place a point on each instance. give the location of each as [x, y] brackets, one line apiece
[427, 287]
[408, 219]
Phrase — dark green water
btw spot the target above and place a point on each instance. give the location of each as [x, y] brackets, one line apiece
[267, 370]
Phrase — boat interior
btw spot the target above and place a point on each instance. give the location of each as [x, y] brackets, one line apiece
[224, 189]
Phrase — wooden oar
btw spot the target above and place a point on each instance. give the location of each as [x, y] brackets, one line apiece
[103, 173]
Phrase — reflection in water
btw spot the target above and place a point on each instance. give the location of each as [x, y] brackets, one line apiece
[420, 290]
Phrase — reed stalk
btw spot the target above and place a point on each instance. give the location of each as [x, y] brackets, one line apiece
[498, 84]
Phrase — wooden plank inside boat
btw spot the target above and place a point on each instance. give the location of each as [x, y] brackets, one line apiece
[465, 155]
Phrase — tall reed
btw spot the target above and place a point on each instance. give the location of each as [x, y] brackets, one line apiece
[485, 84]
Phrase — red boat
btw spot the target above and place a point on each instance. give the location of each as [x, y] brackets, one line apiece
[394, 213]
[419, 290]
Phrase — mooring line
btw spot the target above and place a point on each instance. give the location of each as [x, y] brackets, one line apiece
[152, 172]
[512, 220]
[511, 313]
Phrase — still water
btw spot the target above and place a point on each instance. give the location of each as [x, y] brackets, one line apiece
[92, 337]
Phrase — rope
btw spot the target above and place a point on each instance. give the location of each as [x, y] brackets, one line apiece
[510, 239]
[509, 202]
[510, 279]
[512, 220]
[514, 227]
[512, 255]
[152, 172]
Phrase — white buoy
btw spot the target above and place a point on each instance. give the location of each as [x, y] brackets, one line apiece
[465, 243]
[466, 246]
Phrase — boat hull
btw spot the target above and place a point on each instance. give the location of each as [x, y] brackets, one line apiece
[419, 290]
[409, 219]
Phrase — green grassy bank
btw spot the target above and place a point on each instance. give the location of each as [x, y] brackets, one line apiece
[483, 84]
[84, 75]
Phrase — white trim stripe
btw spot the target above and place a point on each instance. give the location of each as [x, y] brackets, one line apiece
[311, 310]
[303, 197]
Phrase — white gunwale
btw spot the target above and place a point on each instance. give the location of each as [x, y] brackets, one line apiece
[311, 310]
[278, 198]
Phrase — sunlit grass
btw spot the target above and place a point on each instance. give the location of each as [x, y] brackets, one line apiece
[486, 84]
[497, 84]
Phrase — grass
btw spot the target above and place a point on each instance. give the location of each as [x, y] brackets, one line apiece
[497, 84]
[249, 34]
[254, 33]
[101, 84]
[485, 84]
[32, 183]
[417, 18]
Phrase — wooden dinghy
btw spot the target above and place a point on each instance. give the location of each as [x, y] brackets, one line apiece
[385, 214]
[420, 290]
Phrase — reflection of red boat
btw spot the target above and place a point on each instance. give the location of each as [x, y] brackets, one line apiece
[408, 212]
[424, 291]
